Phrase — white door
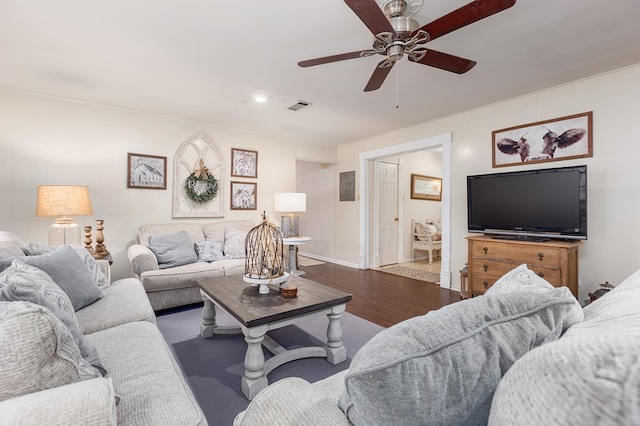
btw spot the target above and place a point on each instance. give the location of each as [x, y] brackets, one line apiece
[388, 212]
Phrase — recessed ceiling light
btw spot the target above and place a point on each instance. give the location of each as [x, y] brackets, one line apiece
[260, 98]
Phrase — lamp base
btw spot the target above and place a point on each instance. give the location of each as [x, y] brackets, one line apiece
[64, 232]
[289, 226]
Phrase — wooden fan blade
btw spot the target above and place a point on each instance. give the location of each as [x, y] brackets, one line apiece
[371, 15]
[332, 58]
[468, 14]
[377, 78]
[446, 62]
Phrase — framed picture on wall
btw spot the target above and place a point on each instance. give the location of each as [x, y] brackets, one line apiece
[244, 195]
[146, 171]
[426, 187]
[244, 163]
[561, 138]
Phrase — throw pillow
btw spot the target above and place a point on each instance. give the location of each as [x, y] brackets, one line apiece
[22, 282]
[520, 278]
[173, 249]
[67, 270]
[234, 243]
[37, 351]
[618, 311]
[443, 367]
[95, 270]
[209, 251]
[588, 380]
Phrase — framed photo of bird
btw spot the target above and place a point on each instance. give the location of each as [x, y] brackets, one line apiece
[561, 138]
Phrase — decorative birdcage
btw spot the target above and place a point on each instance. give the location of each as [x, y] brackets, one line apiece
[264, 256]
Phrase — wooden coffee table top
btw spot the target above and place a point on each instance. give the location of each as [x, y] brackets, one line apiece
[251, 308]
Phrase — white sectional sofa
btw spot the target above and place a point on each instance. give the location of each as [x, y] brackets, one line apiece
[44, 376]
[169, 286]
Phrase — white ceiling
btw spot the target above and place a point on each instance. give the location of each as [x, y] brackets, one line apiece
[203, 59]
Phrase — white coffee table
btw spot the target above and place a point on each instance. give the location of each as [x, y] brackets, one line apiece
[259, 313]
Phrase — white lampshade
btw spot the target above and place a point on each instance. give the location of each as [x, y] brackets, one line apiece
[290, 202]
[63, 202]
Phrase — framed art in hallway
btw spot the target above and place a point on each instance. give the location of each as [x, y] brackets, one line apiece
[426, 187]
[146, 171]
[244, 195]
[557, 139]
[244, 163]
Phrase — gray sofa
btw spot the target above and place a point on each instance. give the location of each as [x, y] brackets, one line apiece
[170, 286]
[523, 354]
[44, 378]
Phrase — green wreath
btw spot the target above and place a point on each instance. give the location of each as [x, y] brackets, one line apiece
[201, 186]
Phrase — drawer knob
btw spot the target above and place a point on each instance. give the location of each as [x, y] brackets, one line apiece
[485, 267]
[540, 256]
[541, 274]
[485, 285]
[485, 249]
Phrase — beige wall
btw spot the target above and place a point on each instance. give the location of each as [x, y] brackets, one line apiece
[613, 180]
[45, 140]
[51, 141]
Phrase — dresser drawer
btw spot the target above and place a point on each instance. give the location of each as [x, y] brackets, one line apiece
[532, 255]
[496, 269]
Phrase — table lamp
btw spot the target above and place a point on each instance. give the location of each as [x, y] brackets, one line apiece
[291, 203]
[63, 202]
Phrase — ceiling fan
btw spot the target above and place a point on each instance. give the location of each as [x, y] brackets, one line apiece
[396, 33]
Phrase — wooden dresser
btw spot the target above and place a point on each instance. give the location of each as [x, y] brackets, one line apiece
[489, 259]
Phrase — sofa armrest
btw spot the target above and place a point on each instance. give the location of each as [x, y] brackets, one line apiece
[81, 403]
[292, 401]
[142, 259]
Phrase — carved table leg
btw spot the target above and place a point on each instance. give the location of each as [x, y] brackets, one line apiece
[336, 352]
[254, 379]
[208, 318]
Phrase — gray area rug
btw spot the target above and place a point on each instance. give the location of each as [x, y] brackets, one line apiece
[213, 367]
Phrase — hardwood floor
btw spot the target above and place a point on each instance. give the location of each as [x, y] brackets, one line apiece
[379, 297]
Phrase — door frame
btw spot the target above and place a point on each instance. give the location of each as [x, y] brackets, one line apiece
[365, 256]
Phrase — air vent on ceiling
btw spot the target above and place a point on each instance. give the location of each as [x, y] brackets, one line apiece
[299, 105]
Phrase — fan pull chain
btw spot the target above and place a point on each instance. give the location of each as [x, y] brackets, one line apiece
[398, 86]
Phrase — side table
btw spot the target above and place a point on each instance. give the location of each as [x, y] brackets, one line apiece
[106, 257]
[293, 243]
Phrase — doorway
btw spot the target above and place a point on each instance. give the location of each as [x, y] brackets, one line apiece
[367, 234]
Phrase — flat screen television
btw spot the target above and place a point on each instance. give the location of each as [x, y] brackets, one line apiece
[532, 204]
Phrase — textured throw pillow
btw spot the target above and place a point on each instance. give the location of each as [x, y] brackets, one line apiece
[67, 270]
[37, 351]
[95, 270]
[173, 249]
[618, 311]
[234, 243]
[443, 367]
[582, 381]
[520, 278]
[22, 282]
[209, 251]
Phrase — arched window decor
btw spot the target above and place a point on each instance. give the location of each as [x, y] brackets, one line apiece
[198, 184]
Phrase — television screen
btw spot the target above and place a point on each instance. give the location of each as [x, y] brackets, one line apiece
[545, 203]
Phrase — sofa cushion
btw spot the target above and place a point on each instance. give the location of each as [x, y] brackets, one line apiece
[618, 311]
[173, 249]
[22, 282]
[123, 302]
[194, 230]
[214, 231]
[147, 378]
[209, 251]
[37, 351]
[234, 243]
[180, 276]
[581, 381]
[95, 271]
[443, 367]
[68, 271]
